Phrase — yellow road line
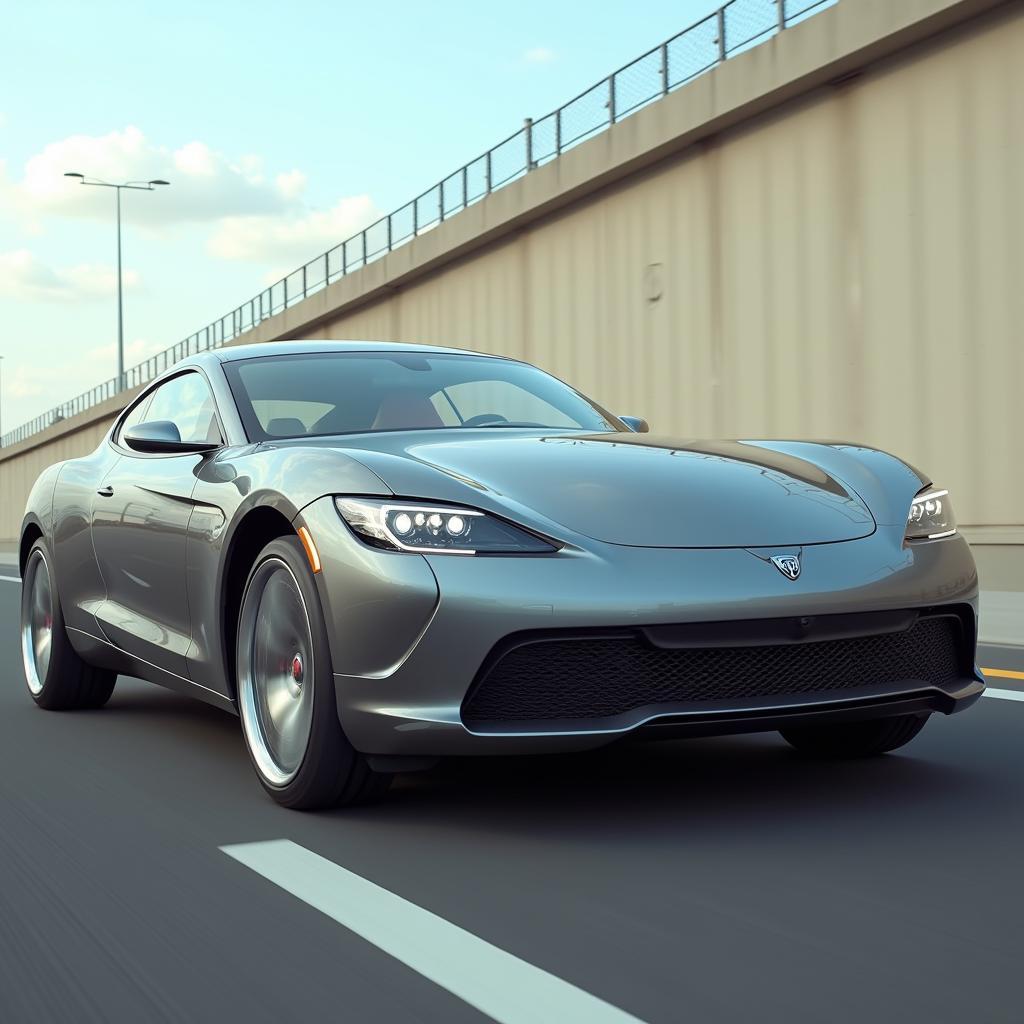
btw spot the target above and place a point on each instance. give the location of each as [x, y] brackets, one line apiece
[1002, 673]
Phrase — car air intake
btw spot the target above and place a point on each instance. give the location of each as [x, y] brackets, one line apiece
[574, 677]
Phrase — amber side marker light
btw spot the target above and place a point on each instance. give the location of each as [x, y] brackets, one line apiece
[311, 552]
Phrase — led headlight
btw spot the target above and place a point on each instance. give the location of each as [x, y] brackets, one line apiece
[404, 526]
[930, 516]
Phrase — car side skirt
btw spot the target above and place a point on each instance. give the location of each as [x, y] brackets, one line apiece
[104, 654]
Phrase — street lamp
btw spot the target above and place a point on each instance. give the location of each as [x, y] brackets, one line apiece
[143, 186]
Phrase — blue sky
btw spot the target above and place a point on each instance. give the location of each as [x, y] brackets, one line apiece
[283, 128]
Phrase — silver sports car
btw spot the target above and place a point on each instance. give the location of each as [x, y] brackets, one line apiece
[380, 554]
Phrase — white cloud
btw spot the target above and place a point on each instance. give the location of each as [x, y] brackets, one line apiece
[292, 184]
[134, 351]
[196, 159]
[238, 210]
[288, 239]
[62, 379]
[254, 217]
[25, 382]
[24, 276]
[205, 184]
[539, 55]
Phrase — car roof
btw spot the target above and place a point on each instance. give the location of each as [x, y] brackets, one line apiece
[286, 348]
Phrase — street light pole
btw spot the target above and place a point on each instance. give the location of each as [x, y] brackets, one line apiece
[120, 303]
[142, 186]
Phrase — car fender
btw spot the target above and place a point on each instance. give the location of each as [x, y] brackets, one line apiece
[232, 488]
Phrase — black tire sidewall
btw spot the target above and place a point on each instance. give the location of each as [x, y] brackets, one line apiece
[71, 683]
[60, 645]
[867, 738]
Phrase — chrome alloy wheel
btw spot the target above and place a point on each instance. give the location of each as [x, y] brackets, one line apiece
[275, 671]
[36, 620]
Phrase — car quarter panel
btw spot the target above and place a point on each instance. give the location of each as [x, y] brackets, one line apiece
[416, 709]
[39, 505]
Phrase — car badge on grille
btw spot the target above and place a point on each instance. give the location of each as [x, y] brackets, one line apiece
[788, 565]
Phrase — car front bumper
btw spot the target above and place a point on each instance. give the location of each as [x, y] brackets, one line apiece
[410, 633]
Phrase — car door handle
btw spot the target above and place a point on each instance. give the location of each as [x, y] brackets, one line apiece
[106, 492]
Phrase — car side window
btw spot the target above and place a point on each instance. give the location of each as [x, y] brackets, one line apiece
[186, 401]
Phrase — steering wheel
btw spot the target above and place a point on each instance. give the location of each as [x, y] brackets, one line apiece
[483, 419]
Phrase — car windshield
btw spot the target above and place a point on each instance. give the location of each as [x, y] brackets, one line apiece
[322, 393]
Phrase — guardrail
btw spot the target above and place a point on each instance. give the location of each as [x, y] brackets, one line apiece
[737, 26]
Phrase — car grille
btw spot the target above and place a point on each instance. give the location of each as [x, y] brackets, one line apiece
[579, 677]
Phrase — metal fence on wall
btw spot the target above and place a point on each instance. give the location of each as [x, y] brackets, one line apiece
[737, 26]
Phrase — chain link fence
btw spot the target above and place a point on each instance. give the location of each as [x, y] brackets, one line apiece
[735, 27]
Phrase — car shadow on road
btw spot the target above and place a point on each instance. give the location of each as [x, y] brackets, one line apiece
[137, 699]
[734, 782]
[746, 781]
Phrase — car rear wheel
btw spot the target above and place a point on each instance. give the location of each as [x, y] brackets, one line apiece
[57, 677]
[855, 739]
[286, 689]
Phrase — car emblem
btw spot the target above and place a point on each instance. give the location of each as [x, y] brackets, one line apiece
[788, 565]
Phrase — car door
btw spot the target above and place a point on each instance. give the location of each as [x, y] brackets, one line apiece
[140, 527]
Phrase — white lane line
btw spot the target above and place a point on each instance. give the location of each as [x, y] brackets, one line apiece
[507, 989]
[1004, 694]
[11, 579]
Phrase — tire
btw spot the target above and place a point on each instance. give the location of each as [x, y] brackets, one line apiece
[286, 694]
[57, 678]
[855, 739]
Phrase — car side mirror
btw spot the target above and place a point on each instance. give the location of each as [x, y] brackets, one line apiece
[636, 423]
[161, 437]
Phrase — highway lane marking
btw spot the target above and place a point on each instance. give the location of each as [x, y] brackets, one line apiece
[500, 985]
[1002, 673]
[1004, 694]
[11, 579]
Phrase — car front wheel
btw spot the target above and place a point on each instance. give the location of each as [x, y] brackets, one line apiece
[855, 739]
[286, 689]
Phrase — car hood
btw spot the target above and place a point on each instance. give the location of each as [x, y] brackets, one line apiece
[634, 489]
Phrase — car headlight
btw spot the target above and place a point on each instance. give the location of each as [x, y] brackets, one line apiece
[930, 516]
[437, 529]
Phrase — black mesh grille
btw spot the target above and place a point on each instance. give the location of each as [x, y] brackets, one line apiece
[600, 677]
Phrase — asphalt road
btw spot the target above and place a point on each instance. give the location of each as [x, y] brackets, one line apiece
[712, 880]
